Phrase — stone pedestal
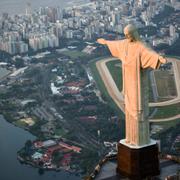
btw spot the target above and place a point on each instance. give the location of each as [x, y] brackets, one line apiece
[138, 162]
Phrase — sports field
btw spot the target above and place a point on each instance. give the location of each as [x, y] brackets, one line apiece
[74, 54]
[166, 88]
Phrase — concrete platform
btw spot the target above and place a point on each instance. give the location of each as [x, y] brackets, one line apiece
[167, 168]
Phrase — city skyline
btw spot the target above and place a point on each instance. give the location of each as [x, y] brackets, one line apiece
[44, 28]
[19, 6]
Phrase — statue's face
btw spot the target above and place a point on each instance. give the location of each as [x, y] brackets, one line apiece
[129, 36]
[129, 32]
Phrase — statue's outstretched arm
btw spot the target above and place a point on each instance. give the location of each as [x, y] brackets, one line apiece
[115, 47]
[150, 58]
[101, 41]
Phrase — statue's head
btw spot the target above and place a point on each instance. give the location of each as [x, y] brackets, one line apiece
[131, 33]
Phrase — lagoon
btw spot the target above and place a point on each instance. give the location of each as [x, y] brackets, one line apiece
[13, 139]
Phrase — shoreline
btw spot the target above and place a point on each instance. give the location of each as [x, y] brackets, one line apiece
[18, 163]
[23, 161]
[28, 162]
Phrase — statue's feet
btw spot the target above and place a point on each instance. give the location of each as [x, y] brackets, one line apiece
[132, 144]
[127, 141]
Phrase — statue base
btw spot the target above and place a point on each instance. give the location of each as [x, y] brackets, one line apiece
[138, 162]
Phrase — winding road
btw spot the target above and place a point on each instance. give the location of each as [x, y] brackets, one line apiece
[117, 96]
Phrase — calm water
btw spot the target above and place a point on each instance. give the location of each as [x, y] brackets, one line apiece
[11, 140]
[19, 6]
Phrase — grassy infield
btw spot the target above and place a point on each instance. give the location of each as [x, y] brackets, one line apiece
[163, 112]
[74, 54]
[102, 87]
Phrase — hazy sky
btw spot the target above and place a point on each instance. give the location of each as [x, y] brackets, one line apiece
[18, 6]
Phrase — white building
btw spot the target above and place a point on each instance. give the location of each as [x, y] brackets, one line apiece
[172, 30]
[48, 143]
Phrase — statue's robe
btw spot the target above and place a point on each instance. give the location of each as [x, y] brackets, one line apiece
[136, 59]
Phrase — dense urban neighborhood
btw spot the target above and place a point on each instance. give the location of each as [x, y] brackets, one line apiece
[50, 85]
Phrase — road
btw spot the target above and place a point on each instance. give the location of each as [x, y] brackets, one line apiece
[109, 83]
[118, 97]
[165, 119]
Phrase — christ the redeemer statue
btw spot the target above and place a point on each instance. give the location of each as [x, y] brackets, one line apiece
[136, 59]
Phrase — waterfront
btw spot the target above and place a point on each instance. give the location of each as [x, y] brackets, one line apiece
[12, 139]
[18, 6]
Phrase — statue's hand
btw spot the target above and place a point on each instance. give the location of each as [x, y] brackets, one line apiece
[101, 41]
[162, 60]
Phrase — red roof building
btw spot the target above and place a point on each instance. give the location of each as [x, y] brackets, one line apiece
[66, 160]
[54, 148]
[76, 84]
[38, 144]
[73, 148]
